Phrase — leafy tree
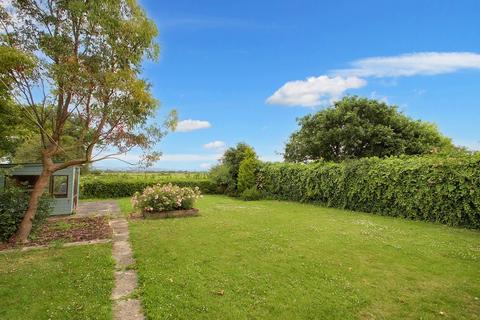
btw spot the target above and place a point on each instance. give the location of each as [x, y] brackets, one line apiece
[78, 76]
[13, 130]
[226, 173]
[358, 127]
[220, 176]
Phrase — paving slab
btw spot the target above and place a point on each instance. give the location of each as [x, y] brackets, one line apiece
[125, 284]
[125, 280]
[130, 309]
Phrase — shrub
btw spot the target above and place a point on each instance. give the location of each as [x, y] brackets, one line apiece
[444, 189]
[220, 176]
[165, 198]
[251, 194]
[14, 204]
[232, 158]
[247, 174]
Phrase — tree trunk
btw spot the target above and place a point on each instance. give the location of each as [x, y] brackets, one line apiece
[25, 227]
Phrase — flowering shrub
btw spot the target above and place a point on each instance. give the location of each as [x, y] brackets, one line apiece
[165, 197]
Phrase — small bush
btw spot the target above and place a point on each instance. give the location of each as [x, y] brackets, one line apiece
[220, 176]
[247, 174]
[232, 158]
[14, 204]
[165, 198]
[251, 194]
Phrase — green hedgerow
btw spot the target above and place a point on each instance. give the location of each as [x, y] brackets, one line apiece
[444, 189]
[118, 187]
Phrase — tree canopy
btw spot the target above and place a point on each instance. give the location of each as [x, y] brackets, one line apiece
[74, 69]
[14, 130]
[359, 127]
[225, 174]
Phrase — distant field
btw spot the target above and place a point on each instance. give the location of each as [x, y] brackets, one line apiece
[140, 176]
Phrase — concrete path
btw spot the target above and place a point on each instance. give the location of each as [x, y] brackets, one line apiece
[125, 306]
[97, 208]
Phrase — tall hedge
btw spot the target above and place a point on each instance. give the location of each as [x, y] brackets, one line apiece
[115, 188]
[430, 188]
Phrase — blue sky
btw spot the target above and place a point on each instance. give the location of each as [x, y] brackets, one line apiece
[245, 70]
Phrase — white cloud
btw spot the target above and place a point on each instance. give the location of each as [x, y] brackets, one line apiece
[215, 145]
[190, 125]
[412, 64]
[379, 97]
[205, 165]
[182, 157]
[134, 157]
[471, 145]
[271, 158]
[314, 91]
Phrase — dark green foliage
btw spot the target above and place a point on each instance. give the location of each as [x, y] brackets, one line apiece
[443, 189]
[251, 194]
[12, 125]
[359, 127]
[247, 174]
[13, 205]
[232, 158]
[220, 176]
[117, 188]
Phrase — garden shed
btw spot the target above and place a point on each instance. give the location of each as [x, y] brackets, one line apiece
[64, 184]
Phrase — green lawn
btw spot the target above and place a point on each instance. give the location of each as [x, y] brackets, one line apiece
[284, 260]
[125, 205]
[58, 283]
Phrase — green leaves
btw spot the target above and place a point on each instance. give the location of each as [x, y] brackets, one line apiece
[82, 60]
[231, 161]
[13, 205]
[247, 174]
[359, 127]
[444, 189]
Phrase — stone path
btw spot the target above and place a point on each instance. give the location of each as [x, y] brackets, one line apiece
[125, 306]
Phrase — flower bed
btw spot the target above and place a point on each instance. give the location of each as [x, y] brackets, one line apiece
[163, 201]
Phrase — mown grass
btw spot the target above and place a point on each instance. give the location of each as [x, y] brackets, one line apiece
[58, 283]
[285, 260]
[125, 205]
